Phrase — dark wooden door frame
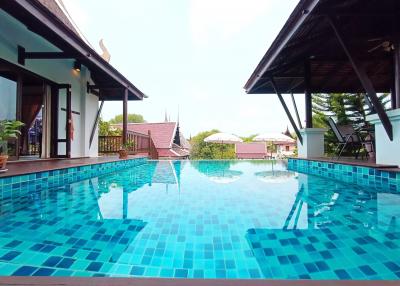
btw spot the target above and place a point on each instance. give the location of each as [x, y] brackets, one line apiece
[18, 73]
[55, 122]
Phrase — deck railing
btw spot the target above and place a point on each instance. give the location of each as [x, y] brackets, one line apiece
[142, 143]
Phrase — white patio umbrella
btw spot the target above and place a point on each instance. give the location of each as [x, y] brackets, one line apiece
[223, 138]
[274, 138]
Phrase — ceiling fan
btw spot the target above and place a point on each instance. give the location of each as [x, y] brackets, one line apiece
[386, 46]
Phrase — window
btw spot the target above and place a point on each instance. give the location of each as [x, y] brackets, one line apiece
[287, 148]
[8, 99]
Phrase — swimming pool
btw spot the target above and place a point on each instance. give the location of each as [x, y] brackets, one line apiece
[203, 219]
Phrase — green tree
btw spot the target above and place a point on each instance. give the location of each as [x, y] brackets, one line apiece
[248, 138]
[203, 150]
[132, 118]
[105, 129]
[345, 108]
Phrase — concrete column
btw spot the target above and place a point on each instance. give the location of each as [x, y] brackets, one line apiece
[387, 152]
[313, 143]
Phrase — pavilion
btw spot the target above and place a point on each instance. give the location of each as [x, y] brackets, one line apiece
[329, 46]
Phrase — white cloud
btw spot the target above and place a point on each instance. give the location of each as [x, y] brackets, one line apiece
[223, 18]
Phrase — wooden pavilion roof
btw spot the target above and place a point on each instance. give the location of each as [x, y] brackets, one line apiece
[371, 28]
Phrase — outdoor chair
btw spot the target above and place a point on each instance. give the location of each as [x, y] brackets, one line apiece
[348, 138]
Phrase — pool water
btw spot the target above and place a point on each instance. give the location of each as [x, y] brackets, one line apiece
[203, 219]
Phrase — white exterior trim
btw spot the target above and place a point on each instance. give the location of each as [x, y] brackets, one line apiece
[313, 143]
[387, 152]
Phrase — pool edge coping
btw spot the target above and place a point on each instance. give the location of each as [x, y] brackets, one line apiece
[107, 281]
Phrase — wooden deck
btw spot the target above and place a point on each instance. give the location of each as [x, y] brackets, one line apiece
[33, 166]
[69, 281]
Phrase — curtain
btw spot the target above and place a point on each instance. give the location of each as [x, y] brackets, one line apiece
[31, 105]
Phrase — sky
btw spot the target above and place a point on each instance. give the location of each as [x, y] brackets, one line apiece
[191, 57]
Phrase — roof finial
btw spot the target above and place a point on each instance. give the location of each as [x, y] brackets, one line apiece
[165, 117]
[287, 132]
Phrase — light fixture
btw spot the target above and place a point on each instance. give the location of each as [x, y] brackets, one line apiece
[77, 66]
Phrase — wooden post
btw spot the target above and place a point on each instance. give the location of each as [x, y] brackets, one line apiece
[69, 122]
[125, 118]
[396, 86]
[308, 95]
[287, 111]
[297, 111]
[363, 77]
[96, 122]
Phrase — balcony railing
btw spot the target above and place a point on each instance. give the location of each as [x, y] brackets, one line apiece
[142, 143]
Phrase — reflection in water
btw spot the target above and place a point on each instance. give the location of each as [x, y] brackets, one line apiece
[116, 188]
[225, 177]
[69, 219]
[277, 176]
[342, 223]
[170, 219]
[218, 172]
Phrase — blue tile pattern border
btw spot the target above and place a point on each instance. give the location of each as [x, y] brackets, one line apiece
[24, 184]
[359, 175]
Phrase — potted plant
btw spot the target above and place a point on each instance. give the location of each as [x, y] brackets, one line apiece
[8, 129]
[124, 151]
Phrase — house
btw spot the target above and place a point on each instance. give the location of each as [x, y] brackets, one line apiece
[286, 148]
[253, 150]
[167, 137]
[50, 75]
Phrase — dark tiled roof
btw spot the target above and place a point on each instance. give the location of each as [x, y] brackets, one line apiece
[53, 7]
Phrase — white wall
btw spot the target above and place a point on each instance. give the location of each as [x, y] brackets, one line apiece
[12, 34]
[387, 151]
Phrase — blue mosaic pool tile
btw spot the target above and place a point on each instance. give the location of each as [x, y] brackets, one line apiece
[43, 272]
[201, 229]
[19, 185]
[25, 271]
[363, 176]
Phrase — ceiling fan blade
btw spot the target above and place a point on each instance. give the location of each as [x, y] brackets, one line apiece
[375, 48]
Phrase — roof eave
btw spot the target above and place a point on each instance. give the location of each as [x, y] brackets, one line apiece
[294, 22]
[45, 18]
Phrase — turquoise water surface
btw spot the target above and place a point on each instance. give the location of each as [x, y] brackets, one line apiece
[203, 219]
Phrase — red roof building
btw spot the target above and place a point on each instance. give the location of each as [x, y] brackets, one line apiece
[168, 140]
[254, 150]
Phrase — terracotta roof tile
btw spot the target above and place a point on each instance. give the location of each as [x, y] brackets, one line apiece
[162, 133]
